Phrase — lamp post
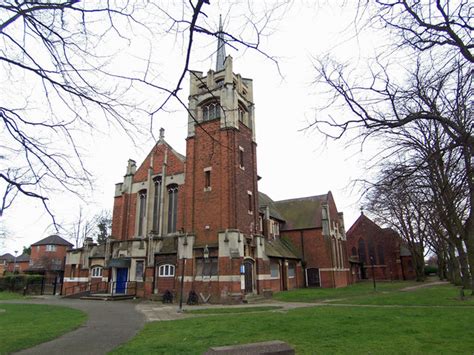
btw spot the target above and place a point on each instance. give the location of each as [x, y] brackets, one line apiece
[183, 264]
[14, 261]
[372, 262]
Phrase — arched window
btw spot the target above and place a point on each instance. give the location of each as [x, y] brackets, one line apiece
[157, 205]
[211, 111]
[381, 254]
[166, 270]
[96, 271]
[354, 251]
[362, 255]
[141, 212]
[172, 207]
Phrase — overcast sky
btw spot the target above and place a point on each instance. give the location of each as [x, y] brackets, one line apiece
[293, 162]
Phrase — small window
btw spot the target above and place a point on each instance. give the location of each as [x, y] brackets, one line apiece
[166, 270]
[274, 269]
[96, 271]
[241, 115]
[139, 270]
[207, 180]
[291, 270]
[241, 158]
[50, 247]
[250, 201]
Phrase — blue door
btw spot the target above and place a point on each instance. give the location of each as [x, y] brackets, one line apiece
[121, 285]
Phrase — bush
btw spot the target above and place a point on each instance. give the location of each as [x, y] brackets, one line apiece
[16, 282]
[430, 270]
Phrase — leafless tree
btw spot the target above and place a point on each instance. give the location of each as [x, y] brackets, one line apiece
[394, 203]
[401, 105]
[83, 227]
[61, 77]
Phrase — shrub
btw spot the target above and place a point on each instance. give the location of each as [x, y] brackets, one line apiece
[430, 270]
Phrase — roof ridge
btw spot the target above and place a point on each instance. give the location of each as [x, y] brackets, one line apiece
[303, 198]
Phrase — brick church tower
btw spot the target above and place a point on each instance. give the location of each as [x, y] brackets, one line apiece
[221, 196]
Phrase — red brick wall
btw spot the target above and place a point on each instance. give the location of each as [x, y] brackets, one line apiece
[367, 230]
[226, 205]
[314, 248]
[125, 206]
[39, 254]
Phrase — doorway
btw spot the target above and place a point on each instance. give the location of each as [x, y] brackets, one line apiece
[121, 284]
[313, 277]
[248, 268]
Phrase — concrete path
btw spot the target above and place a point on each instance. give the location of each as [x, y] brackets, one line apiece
[109, 324]
[423, 285]
[155, 311]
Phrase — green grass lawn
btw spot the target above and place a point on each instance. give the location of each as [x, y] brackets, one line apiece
[25, 325]
[5, 295]
[227, 310]
[331, 329]
[321, 330]
[357, 290]
[442, 295]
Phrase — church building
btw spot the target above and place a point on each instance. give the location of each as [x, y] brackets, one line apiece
[197, 223]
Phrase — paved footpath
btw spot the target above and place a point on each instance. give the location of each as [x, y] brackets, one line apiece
[112, 323]
[109, 324]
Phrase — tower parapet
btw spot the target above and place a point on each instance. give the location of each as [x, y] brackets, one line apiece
[221, 95]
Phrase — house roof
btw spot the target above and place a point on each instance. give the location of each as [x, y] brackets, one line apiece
[53, 240]
[363, 219]
[23, 257]
[280, 248]
[301, 213]
[265, 201]
[7, 257]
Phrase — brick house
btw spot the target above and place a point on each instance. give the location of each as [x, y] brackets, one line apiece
[5, 259]
[48, 257]
[379, 250]
[198, 222]
[18, 264]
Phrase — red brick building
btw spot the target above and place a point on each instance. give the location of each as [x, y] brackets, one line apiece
[48, 256]
[18, 264]
[379, 251]
[198, 221]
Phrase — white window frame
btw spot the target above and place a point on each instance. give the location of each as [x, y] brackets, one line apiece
[293, 268]
[50, 247]
[96, 271]
[277, 265]
[166, 270]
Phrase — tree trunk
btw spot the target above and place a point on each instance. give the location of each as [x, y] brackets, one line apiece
[454, 272]
[470, 257]
[465, 274]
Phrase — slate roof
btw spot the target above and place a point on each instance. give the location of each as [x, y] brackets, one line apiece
[265, 201]
[302, 213]
[7, 257]
[53, 240]
[23, 257]
[280, 248]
